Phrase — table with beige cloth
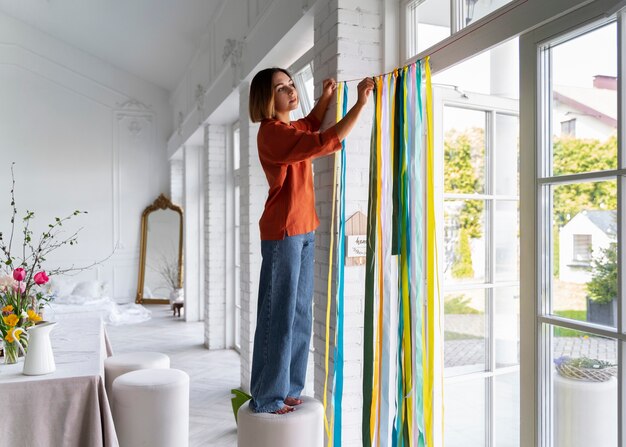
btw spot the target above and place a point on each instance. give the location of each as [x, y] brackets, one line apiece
[66, 408]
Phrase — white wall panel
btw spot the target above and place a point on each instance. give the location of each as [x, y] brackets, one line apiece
[84, 136]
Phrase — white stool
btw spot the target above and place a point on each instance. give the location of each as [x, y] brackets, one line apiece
[119, 364]
[305, 424]
[151, 408]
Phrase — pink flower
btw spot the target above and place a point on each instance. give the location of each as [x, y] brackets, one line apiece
[19, 274]
[20, 286]
[41, 278]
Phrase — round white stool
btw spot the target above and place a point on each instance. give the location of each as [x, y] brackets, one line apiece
[119, 364]
[151, 408]
[305, 424]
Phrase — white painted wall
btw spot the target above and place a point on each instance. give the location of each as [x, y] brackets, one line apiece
[84, 135]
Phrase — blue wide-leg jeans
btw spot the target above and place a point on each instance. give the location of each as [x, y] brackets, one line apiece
[283, 325]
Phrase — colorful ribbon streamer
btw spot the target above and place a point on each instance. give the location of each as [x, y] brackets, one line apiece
[333, 427]
[398, 369]
[399, 335]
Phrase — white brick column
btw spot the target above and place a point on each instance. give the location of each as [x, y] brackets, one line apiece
[215, 149]
[348, 36]
[253, 187]
[193, 207]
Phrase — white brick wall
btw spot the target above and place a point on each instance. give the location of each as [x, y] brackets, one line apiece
[348, 36]
[253, 194]
[215, 148]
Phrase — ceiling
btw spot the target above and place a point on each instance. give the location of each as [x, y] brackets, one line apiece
[153, 39]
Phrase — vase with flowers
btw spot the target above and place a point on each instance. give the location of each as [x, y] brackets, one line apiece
[22, 278]
[20, 310]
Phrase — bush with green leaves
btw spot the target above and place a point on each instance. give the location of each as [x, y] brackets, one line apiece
[603, 285]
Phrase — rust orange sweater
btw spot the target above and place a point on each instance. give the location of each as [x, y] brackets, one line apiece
[286, 151]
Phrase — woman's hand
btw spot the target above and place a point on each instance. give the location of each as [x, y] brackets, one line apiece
[365, 87]
[328, 88]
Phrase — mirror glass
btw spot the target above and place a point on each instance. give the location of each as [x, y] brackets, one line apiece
[163, 227]
[161, 254]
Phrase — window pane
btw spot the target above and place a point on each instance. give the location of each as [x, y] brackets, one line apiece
[507, 410]
[475, 9]
[236, 149]
[428, 24]
[464, 230]
[464, 150]
[507, 160]
[506, 326]
[584, 103]
[507, 241]
[464, 413]
[464, 331]
[585, 251]
[584, 387]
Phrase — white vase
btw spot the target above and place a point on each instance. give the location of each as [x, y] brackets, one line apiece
[39, 358]
[177, 296]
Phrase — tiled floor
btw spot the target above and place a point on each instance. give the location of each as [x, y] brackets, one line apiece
[213, 373]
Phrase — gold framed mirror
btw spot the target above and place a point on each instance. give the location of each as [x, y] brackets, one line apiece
[161, 252]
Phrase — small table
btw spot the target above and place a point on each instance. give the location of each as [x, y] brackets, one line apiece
[68, 407]
[176, 307]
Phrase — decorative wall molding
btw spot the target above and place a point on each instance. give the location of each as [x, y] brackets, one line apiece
[127, 144]
[200, 97]
[133, 104]
[233, 50]
[134, 137]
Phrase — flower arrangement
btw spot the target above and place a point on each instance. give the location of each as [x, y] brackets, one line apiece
[22, 295]
[583, 368]
[19, 311]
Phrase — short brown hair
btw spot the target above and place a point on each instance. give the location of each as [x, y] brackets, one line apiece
[261, 102]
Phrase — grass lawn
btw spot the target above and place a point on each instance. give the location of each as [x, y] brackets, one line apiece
[579, 315]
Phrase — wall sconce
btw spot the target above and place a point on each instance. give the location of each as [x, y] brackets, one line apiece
[469, 10]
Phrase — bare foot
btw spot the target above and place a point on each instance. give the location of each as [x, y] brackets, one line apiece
[286, 409]
[292, 401]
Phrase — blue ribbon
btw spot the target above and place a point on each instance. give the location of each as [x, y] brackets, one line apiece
[338, 391]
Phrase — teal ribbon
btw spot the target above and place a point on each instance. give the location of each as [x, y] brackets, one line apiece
[417, 217]
[338, 360]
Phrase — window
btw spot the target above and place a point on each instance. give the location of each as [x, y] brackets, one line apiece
[582, 248]
[478, 137]
[428, 22]
[303, 79]
[577, 188]
[569, 127]
[236, 240]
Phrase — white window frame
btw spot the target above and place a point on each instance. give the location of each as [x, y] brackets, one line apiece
[233, 242]
[491, 106]
[457, 21]
[518, 18]
[536, 134]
